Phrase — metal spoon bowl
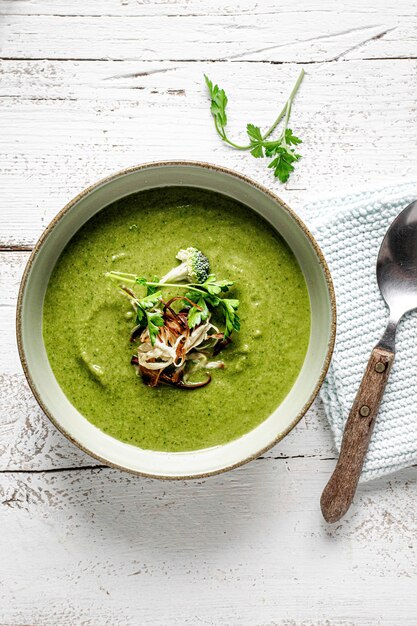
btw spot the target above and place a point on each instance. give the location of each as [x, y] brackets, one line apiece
[396, 270]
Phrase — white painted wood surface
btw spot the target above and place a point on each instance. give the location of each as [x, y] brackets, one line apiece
[86, 88]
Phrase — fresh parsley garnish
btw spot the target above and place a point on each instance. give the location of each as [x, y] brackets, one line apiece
[206, 296]
[281, 149]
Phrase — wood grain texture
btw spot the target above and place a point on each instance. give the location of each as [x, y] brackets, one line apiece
[219, 34]
[201, 8]
[119, 82]
[340, 490]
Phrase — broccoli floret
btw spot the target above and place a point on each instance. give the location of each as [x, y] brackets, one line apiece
[195, 267]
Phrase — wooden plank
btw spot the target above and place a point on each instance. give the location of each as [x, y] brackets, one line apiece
[66, 125]
[28, 441]
[276, 36]
[98, 547]
[192, 8]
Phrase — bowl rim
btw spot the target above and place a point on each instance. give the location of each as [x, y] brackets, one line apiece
[149, 165]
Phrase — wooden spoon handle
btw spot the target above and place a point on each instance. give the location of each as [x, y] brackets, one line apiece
[339, 491]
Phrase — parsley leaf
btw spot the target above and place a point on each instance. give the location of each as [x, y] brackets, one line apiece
[291, 139]
[154, 322]
[230, 306]
[146, 317]
[254, 133]
[198, 315]
[218, 105]
[282, 163]
[214, 287]
[256, 140]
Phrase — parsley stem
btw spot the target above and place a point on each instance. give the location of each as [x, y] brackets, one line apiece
[287, 115]
[181, 285]
[223, 135]
[131, 279]
[287, 108]
[234, 145]
[220, 132]
[122, 276]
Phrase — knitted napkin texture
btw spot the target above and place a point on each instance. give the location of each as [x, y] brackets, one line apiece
[350, 231]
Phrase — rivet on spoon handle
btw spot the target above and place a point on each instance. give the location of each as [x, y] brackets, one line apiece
[340, 490]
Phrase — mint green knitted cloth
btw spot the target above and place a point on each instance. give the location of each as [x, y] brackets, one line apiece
[350, 231]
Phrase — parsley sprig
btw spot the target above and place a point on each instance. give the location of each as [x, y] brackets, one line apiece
[282, 149]
[207, 296]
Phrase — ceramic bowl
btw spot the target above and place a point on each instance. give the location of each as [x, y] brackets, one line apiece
[165, 464]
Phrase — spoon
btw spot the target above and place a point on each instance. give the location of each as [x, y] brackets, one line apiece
[396, 273]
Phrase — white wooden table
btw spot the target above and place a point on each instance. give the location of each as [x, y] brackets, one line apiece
[87, 88]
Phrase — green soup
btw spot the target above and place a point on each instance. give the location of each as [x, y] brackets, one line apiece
[86, 322]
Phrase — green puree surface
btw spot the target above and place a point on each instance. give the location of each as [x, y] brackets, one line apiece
[86, 325]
